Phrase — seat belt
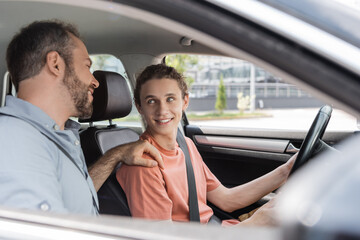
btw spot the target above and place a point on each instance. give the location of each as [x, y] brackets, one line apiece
[65, 153]
[82, 173]
[193, 200]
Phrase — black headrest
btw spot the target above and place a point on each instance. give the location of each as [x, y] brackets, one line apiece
[112, 98]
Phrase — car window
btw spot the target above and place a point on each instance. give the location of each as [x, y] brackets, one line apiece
[111, 63]
[230, 92]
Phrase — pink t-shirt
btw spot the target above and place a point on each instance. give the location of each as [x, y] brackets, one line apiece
[154, 193]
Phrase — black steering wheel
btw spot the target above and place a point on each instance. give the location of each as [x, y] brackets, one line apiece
[312, 143]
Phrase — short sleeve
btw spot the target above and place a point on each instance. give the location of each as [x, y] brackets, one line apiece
[145, 191]
[211, 180]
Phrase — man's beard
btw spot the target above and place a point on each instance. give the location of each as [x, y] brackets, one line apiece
[79, 93]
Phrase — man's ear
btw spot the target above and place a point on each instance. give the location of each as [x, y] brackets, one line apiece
[55, 63]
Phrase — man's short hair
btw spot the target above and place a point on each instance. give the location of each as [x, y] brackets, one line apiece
[27, 51]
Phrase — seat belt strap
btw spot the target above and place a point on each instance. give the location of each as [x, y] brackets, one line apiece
[193, 200]
[73, 161]
[66, 154]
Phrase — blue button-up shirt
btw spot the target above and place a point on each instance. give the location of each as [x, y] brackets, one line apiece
[34, 172]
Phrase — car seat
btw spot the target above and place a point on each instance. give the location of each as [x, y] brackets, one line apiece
[112, 100]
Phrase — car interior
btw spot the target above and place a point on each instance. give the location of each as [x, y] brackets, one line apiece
[111, 100]
[139, 38]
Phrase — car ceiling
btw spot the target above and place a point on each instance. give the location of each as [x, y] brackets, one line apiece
[101, 26]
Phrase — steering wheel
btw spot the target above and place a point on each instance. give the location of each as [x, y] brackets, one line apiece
[313, 144]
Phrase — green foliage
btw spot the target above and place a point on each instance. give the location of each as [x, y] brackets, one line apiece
[99, 61]
[182, 63]
[107, 62]
[220, 104]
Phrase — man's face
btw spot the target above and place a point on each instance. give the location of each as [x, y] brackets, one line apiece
[79, 81]
[79, 93]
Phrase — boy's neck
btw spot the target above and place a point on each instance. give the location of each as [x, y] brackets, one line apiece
[167, 142]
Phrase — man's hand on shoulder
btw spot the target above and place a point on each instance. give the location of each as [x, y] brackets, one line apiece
[132, 154]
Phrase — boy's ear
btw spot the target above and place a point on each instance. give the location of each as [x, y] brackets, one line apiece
[186, 102]
[54, 63]
[138, 107]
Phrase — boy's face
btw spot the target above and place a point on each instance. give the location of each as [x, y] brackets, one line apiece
[162, 106]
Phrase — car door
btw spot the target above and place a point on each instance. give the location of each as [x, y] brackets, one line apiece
[240, 147]
[238, 155]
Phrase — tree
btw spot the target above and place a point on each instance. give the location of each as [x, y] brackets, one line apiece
[220, 104]
[182, 62]
[99, 61]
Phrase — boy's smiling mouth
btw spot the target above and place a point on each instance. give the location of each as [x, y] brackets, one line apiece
[163, 121]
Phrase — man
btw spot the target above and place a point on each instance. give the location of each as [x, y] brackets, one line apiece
[42, 164]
